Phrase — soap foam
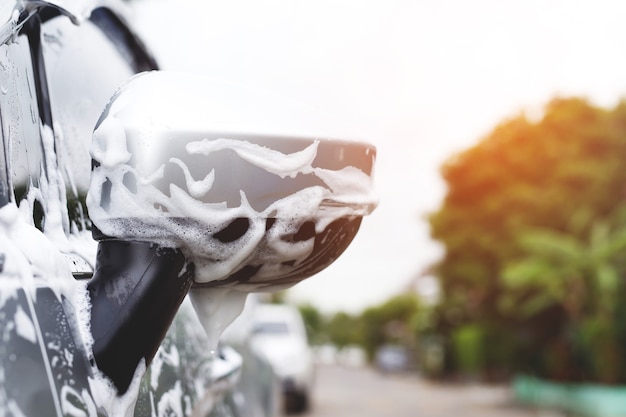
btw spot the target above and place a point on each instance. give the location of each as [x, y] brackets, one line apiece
[216, 308]
[182, 219]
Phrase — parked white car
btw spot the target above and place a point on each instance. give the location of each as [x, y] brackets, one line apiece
[280, 336]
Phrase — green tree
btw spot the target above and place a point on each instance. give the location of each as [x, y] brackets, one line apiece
[395, 321]
[392, 322]
[314, 322]
[563, 174]
[581, 276]
[343, 330]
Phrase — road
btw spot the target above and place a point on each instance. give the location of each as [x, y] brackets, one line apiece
[349, 391]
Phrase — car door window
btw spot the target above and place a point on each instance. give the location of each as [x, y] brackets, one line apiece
[84, 68]
[21, 127]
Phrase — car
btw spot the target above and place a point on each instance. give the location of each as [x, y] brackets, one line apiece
[279, 334]
[133, 226]
[392, 359]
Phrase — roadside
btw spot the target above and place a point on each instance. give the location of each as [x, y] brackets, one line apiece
[349, 391]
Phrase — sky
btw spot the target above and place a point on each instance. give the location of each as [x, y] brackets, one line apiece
[420, 79]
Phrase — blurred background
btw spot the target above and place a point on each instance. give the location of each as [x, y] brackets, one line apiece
[498, 250]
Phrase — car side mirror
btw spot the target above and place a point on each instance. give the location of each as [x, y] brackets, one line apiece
[236, 187]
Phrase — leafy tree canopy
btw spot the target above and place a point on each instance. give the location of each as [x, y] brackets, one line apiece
[534, 223]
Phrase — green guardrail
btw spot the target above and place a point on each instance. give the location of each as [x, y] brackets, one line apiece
[588, 400]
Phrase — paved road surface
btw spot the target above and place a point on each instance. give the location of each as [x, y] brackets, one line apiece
[362, 392]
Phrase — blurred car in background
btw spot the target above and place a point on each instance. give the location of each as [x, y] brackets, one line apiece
[392, 358]
[279, 334]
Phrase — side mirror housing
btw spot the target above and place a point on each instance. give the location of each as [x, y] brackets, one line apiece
[206, 184]
[237, 179]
